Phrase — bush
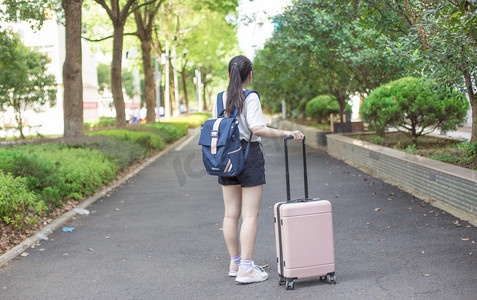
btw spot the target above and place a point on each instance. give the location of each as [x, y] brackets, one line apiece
[145, 139]
[101, 123]
[55, 172]
[81, 171]
[321, 107]
[38, 174]
[123, 153]
[16, 201]
[193, 120]
[414, 105]
[169, 131]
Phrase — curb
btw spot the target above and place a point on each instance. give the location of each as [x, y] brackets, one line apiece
[50, 228]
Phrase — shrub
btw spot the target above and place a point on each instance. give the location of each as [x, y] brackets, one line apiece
[16, 201]
[81, 171]
[415, 106]
[169, 131]
[38, 173]
[101, 123]
[193, 120]
[122, 153]
[56, 172]
[147, 140]
[321, 107]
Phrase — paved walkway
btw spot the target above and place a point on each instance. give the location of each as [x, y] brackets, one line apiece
[159, 237]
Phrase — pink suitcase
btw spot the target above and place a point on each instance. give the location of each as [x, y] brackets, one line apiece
[303, 235]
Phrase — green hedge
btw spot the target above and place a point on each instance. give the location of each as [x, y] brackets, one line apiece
[101, 123]
[55, 172]
[169, 131]
[147, 140]
[16, 201]
[35, 178]
[193, 120]
[121, 152]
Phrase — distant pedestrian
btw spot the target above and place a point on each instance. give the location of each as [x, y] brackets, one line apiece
[242, 193]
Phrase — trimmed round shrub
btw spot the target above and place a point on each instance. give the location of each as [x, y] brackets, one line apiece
[320, 108]
[415, 105]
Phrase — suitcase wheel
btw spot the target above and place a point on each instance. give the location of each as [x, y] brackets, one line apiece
[331, 278]
[290, 284]
[281, 280]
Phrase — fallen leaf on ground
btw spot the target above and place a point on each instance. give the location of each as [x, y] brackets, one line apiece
[465, 239]
[422, 251]
[426, 274]
[90, 249]
[66, 254]
[377, 209]
[264, 266]
[25, 254]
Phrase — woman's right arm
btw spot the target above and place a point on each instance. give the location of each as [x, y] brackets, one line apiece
[272, 133]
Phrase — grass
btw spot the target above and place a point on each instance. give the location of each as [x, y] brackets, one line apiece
[443, 149]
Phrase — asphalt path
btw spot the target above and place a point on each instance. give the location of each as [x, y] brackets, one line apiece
[159, 236]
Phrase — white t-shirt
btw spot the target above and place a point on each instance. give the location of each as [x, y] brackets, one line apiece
[250, 117]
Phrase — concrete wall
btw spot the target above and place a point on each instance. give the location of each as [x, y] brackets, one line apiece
[426, 178]
[448, 187]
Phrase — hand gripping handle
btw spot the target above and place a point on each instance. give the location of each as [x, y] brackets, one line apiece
[287, 173]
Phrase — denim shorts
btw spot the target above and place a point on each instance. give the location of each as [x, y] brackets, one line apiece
[254, 172]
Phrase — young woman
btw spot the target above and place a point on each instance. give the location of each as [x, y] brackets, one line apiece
[242, 193]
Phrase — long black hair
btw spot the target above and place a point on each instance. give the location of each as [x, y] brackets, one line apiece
[239, 70]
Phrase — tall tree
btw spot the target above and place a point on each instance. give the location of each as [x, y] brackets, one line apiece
[34, 11]
[436, 38]
[118, 16]
[145, 18]
[24, 80]
[72, 70]
[324, 38]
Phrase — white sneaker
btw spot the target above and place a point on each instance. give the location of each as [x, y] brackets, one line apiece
[254, 274]
[233, 268]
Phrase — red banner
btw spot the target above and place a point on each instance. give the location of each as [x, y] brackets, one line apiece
[90, 105]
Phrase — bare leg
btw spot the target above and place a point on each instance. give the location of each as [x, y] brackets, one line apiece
[251, 197]
[232, 201]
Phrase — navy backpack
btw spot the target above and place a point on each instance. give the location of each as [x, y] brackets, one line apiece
[220, 140]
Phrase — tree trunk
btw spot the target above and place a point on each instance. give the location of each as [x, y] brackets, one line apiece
[473, 105]
[18, 118]
[116, 80]
[72, 71]
[144, 24]
[172, 94]
[184, 87]
[204, 97]
[149, 97]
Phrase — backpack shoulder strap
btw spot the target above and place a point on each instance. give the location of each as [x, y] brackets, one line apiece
[248, 92]
[220, 105]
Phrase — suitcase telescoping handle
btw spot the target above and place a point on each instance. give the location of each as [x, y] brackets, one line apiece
[287, 168]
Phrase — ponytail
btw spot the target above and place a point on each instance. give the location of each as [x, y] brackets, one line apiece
[239, 70]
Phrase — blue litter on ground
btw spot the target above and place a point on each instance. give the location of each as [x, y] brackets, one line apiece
[68, 229]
